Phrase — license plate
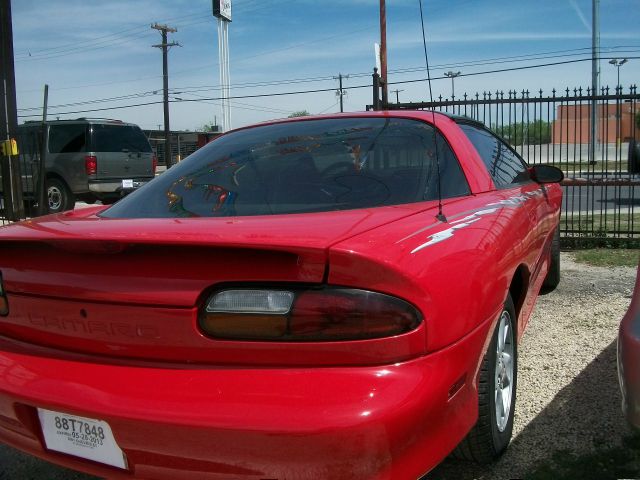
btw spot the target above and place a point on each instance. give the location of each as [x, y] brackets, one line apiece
[127, 183]
[80, 436]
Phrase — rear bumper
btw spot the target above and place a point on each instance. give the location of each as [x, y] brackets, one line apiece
[98, 187]
[378, 422]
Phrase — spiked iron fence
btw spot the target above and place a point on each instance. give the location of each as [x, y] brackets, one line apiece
[601, 203]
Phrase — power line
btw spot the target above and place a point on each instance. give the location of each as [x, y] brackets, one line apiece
[320, 90]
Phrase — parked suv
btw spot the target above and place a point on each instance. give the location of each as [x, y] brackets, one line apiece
[87, 160]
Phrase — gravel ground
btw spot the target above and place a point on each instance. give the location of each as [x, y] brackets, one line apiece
[568, 396]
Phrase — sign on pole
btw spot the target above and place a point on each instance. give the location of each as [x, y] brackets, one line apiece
[222, 9]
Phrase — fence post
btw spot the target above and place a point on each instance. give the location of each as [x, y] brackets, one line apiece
[376, 90]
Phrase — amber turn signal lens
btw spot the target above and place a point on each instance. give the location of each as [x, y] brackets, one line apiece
[244, 326]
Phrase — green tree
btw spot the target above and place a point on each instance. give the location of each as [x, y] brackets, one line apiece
[299, 113]
[529, 133]
[208, 127]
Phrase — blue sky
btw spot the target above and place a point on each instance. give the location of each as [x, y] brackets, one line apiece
[88, 50]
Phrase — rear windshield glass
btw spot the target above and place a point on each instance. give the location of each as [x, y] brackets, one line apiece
[302, 166]
[118, 138]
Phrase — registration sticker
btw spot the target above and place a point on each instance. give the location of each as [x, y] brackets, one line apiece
[127, 183]
[80, 436]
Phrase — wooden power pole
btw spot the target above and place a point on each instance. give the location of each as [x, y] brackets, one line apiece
[164, 29]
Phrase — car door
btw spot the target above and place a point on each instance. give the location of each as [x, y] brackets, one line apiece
[516, 188]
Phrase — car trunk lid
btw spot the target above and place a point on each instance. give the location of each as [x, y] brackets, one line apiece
[133, 288]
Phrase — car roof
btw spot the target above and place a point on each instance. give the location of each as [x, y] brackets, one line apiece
[81, 120]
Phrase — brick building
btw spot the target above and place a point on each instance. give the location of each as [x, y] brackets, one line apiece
[573, 123]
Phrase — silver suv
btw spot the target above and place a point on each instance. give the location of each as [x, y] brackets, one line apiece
[88, 160]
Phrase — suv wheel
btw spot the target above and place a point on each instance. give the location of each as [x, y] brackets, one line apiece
[59, 196]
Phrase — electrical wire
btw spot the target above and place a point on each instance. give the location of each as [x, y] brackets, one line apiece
[320, 90]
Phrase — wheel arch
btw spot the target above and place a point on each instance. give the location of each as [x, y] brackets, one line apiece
[518, 287]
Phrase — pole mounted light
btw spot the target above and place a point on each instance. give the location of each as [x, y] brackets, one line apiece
[618, 63]
[451, 74]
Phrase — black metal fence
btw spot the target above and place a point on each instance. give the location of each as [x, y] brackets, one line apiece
[29, 144]
[602, 186]
[601, 203]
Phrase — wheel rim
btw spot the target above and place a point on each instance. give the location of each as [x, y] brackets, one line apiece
[55, 198]
[504, 372]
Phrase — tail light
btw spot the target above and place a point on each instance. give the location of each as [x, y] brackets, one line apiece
[324, 314]
[154, 165]
[91, 164]
[4, 303]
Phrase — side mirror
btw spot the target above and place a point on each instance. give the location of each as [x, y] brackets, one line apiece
[546, 174]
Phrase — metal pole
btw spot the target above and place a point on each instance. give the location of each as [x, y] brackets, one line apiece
[376, 90]
[340, 92]
[594, 79]
[383, 53]
[43, 198]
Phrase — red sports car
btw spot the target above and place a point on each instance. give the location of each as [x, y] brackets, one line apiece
[629, 358]
[327, 297]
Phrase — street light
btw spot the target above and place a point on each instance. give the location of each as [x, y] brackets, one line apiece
[618, 63]
[452, 75]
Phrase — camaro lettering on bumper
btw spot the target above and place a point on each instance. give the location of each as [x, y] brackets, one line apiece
[114, 329]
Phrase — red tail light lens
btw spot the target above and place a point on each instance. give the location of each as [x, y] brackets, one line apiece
[154, 165]
[91, 164]
[4, 304]
[327, 314]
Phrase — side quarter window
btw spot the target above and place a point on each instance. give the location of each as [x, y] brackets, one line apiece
[69, 138]
[503, 164]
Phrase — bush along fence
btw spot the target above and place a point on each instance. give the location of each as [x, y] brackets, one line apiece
[600, 160]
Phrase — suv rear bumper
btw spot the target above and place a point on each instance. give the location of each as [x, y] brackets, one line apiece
[110, 186]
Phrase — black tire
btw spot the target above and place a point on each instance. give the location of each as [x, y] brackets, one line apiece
[491, 435]
[552, 279]
[59, 196]
[634, 157]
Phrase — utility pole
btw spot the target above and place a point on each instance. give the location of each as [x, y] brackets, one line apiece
[595, 72]
[164, 29]
[451, 74]
[9, 160]
[340, 92]
[383, 52]
[397, 92]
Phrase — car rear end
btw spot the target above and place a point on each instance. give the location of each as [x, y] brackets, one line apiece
[119, 159]
[223, 321]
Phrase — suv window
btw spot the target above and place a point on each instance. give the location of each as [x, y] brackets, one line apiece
[118, 138]
[70, 138]
[303, 166]
[504, 165]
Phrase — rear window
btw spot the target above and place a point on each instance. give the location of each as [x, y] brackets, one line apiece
[118, 138]
[303, 166]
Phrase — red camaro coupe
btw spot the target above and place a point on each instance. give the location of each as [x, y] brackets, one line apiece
[334, 297]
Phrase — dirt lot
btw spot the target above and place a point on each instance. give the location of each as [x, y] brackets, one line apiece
[568, 397]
